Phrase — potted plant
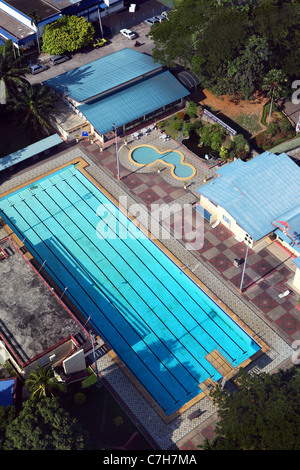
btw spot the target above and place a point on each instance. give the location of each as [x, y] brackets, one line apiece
[185, 183]
[91, 137]
[77, 137]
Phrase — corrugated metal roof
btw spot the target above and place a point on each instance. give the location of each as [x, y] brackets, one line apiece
[104, 74]
[133, 102]
[257, 192]
[29, 151]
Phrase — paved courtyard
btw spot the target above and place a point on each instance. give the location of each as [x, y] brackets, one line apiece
[275, 320]
[269, 270]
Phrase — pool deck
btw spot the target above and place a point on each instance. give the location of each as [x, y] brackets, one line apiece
[193, 425]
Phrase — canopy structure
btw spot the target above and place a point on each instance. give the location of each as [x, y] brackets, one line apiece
[30, 151]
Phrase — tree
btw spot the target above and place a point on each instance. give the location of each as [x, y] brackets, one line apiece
[44, 425]
[35, 18]
[12, 73]
[263, 414]
[67, 34]
[33, 107]
[274, 82]
[7, 415]
[42, 382]
[229, 44]
[245, 72]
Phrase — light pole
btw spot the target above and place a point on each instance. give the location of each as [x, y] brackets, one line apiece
[95, 362]
[249, 240]
[117, 151]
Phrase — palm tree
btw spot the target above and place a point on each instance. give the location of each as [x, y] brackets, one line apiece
[33, 108]
[43, 383]
[12, 73]
[273, 82]
[35, 18]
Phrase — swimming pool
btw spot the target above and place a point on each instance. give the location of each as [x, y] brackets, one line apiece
[154, 317]
[149, 155]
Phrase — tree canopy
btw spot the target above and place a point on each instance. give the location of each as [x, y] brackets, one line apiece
[44, 425]
[231, 44]
[67, 34]
[32, 108]
[12, 72]
[263, 414]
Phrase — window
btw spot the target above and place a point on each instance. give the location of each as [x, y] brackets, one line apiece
[226, 220]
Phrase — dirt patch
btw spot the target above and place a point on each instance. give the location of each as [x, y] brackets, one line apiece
[246, 113]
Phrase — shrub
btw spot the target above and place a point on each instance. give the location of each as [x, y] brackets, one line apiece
[79, 398]
[180, 115]
[186, 128]
[118, 421]
[191, 109]
[177, 125]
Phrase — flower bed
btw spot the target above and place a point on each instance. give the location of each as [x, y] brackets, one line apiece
[279, 130]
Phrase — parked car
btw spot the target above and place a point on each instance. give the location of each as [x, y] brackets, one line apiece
[160, 18]
[58, 59]
[99, 42]
[128, 33]
[37, 68]
[151, 21]
[165, 14]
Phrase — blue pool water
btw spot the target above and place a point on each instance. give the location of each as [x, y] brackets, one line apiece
[155, 318]
[145, 155]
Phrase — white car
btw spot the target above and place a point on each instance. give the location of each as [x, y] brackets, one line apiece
[160, 18]
[165, 14]
[37, 68]
[128, 33]
[151, 21]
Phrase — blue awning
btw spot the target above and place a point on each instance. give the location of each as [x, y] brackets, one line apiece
[279, 233]
[30, 151]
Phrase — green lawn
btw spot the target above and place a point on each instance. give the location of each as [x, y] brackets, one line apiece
[250, 122]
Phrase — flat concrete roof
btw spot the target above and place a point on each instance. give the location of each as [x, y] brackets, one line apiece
[44, 10]
[14, 27]
[32, 319]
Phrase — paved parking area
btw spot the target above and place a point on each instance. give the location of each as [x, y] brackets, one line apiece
[114, 43]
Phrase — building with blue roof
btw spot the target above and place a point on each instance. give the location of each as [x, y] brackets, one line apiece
[122, 89]
[252, 197]
[7, 392]
[92, 80]
[258, 200]
[15, 21]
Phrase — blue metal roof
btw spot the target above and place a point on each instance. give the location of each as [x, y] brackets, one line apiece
[104, 74]
[296, 261]
[292, 218]
[7, 392]
[30, 151]
[256, 192]
[133, 102]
